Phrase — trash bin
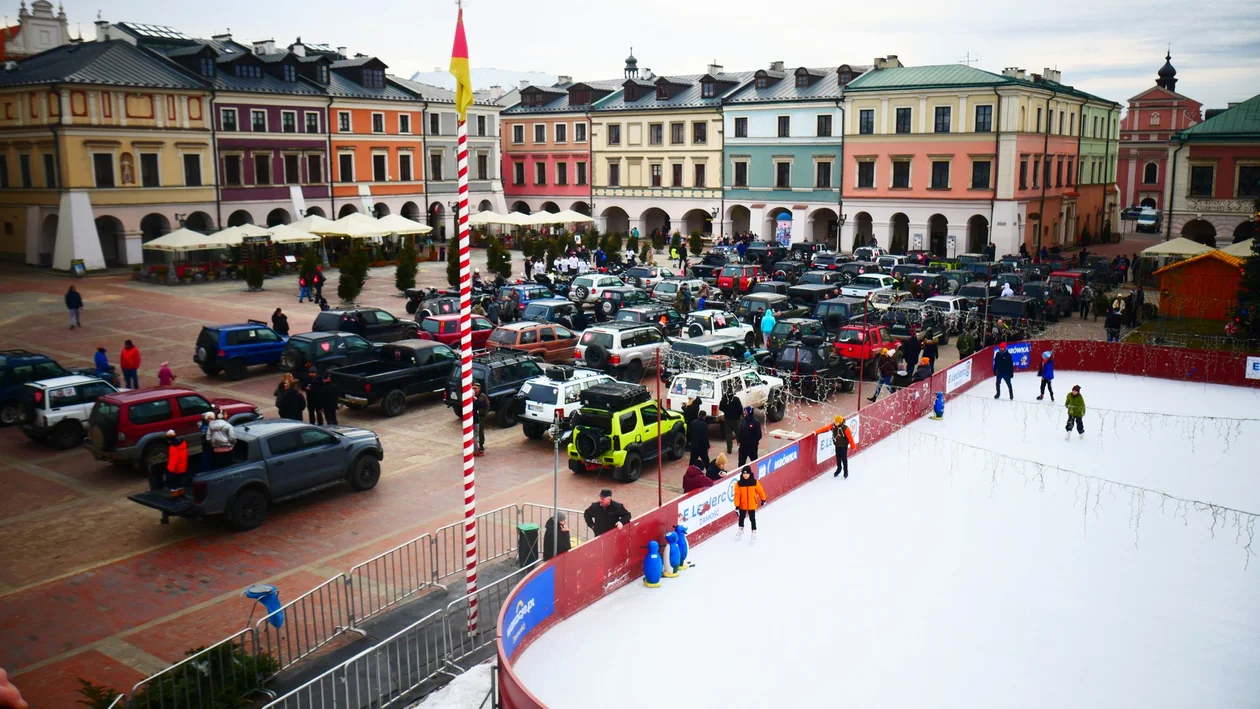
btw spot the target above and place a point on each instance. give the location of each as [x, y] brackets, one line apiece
[526, 544]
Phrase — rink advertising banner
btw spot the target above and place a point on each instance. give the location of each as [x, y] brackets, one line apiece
[826, 444]
[1021, 354]
[957, 376]
[1253, 367]
[780, 458]
[708, 505]
[533, 603]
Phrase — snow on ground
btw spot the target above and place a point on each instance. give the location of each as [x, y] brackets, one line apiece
[938, 575]
[467, 691]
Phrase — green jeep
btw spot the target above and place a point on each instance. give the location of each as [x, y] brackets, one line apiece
[615, 431]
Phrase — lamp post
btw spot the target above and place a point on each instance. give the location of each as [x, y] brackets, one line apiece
[454, 206]
[840, 225]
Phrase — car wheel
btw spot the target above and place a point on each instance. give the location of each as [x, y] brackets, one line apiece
[607, 307]
[412, 306]
[634, 372]
[411, 333]
[9, 413]
[776, 405]
[153, 454]
[247, 510]
[632, 469]
[533, 431]
[289, 360]
[236, 370]
[678, 446]
[507, 414]
[395, 403]
[365, 473]
[66, 435]
[581, 292]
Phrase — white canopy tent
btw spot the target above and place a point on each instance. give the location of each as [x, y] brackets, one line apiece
[188, 240]
[234, 235]
[567, 216]
[398, 224]
[1241, 249]
[355, 226]
[288, 234]
[313, 224]
[1181, 246]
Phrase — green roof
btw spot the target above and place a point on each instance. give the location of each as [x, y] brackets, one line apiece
[1242, 122]
[914, 77]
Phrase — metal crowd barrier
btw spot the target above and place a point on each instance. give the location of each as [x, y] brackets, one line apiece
[460, 643]
[203, 679]
[310, 622]
[391, 578]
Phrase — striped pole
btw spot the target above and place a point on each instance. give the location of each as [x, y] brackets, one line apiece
[466, 382]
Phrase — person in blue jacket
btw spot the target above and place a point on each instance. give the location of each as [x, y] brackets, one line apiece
[101, 360]
[1046, 372]
[1003, 370]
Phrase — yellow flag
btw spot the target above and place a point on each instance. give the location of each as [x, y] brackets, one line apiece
[459, 69]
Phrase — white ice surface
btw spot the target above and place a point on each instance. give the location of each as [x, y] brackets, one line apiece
[467, 691]
[936, 576]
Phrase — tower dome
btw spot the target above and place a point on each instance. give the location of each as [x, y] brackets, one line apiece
[632, 65]
[1167, 74]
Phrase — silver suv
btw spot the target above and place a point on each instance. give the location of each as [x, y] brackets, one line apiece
[588, 288]
[623, 349]
[555, 394]
[56, 410]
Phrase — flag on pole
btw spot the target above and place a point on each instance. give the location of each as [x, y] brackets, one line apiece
[459, 69]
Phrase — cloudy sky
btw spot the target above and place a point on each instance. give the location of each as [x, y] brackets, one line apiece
[1112, 48]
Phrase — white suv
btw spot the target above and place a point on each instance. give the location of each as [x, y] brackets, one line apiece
[556, 393]
[623, 349]
[717, 322]
[868, 283]
[588, 288]
[954, 309]
[754, 389]
[57, 409]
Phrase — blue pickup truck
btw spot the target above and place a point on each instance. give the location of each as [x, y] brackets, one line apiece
[20, 367]
[233, 349]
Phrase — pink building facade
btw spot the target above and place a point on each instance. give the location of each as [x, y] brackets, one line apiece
[1154, 116]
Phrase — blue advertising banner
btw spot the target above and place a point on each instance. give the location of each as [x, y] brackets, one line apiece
[1021, 354]
[533, 604]
[778, 460]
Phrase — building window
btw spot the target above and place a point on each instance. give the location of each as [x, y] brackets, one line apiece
[824, 125]
[227, 120]
[741, 127]
[562, 133]
[984, 119]
[483, 167]
[24, 172]
[435, 126]
[258, 121]
[980, 170]
[676, 175]
[481, 126]
[700, 175]
[1154, 119]
[288, 121]
[540, 133]
[866, 174]
[677, 134]
[656, 134]
[562, 173]
[903, 120]
[290, 72]
[518, 173]
[1023, 174]
[940, 175]
[699, 133]
[404, 123]
[1072, 124]
[1058, 172]
[1092, 167]
[581, 173]
[708, 89]
[102, 168]
[540, 173]
[247, 71]
[656, 174]
[345, 167]
[292, 169]
[435, 166]
[741, 174]
[614, 174]
[518, 134]
[662, 92]
[321, 74]
[148, 170]
[262, 169]
[1046, 176]
[579, 132]
[785, 126]
[632, 94]
[802, 81]
[1201, 178]
[207, 67]
[374, 78]
[1249, 180]
[1039, 120]
[192, 170]
[231, 170]
[866, 121]
[783, 175]
[312, 122]
[1060, 122]
[314, 169]
[343, 121]
[50, 171]
[762, 82]
[1036, 172]
[1094, 134]
[380, 168]
[822, 175]
[1150, 174]
[941, 124]
[901, 174]
[614, 134]
[1071, 176]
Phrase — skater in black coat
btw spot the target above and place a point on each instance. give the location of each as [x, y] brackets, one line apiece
[1003, 370]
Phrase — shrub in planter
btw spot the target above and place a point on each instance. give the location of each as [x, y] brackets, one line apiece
[353, 273]
[229, 674]
[499, 259]
[676, 242]
[405, 273]
[633, 243]
[696, 244]
[254, 275]
[613, 249]
[658, 242]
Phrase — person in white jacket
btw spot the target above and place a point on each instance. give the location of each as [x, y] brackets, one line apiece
[222, 438]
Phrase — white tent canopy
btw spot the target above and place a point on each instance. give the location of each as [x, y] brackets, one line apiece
[398, 224]
[355, 226]
[313, 224]
[1181, 246]
[188, 240]
[1240, 249]
[233, 235]
[288, 234]
[567, 216]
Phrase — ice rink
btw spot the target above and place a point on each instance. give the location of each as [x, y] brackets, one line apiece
[978, 561]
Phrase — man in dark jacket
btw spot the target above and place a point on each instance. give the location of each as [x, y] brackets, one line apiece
[1112, 325]
[606, 515]
[328, 399]
[691, 410]
[481, 407]
[749, 436]
[556, 542]
[731, 408]
[1003, 370]
[74, 304]
[314, 397]
[911, 349]
[887, 368]
[698, 433]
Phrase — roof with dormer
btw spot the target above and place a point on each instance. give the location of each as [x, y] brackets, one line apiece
[560, 103]
[951, 76]
[113, 63]
[689, 94]
[824, 83]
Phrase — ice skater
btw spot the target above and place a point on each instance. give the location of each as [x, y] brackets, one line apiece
[1046, 371]
[1003, 370]
[749, 495]
[1075, 404]
[842, 438]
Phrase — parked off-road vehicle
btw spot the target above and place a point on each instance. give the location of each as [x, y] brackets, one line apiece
[615, 431]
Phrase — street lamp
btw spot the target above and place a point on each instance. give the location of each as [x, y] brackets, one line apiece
[840, 225]
[454, 206]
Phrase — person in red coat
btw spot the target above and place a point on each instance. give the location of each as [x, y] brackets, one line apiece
[129, 362]
[695, 479]
[176, 461]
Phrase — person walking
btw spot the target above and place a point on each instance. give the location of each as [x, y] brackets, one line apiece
[101, 361]
[176, 461]
[481, 407]
[698, 433]
[910, 351]
[74, 304]
[1086, 299]
[749, 496]
[314, 397]
[1112, 325]
[290, 403]
[556, 539]
[887, 368]
[1045, 370]
[328, 399]
[165, 376]
[607, 514]
[1075, 404]
[767, 324]
[841, 438]
[1003, 371]
[130, 363]
[280, 323]
[754, 319]
[222, 437]
[931, 350]
[749, 436]
[317, 280]
[304, 289]
[731, 408]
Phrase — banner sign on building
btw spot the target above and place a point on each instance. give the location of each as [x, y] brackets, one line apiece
[531, 605]
[958, 375]
[783, 230]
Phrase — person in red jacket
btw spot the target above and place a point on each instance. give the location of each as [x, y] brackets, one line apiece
[695, 479]
[176, 461]
[129, 362]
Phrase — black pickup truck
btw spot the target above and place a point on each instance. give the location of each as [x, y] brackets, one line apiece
[401, 369]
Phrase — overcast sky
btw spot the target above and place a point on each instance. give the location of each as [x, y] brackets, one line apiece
[1112, 48]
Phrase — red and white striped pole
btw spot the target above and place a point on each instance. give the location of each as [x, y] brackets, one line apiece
[466, 382]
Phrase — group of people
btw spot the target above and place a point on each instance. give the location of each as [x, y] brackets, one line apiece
[1004, 370]
[129, 362]
[218, 441]
[313, 395]
[914, 361]
[312, 288]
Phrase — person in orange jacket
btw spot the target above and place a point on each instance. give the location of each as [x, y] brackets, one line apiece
[176, 460]
[841, 438]
[129, 362]
[749, 495]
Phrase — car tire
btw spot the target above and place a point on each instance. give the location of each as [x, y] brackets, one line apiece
[596, 356]
[776, 405]
[153, 454]
[631, 470]
[695, 329]
[10, 412]
[533, 431]
[582, 292]
[589, 444]
[289, 361]
[412, 306]
[66, 435]
[364, 473]
[236, 370]
[576, 466]
[633, 372]
[411, 333]
[394, 403]
[246, 511]
[606, 307]
[678, 445]
[507, 414]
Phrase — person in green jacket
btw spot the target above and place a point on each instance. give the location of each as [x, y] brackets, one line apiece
[1075, 404]
[966, 344]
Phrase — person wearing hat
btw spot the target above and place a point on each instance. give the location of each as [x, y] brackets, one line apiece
[165, 375]
[749, 436]
[130, 363]
[176, 460]
[841, 438]
[1003, 370]
[1046, 371]
[749, 495]
[924, 370]
[1075, 404]
[731, 408]
[887, 367]
[607, 514]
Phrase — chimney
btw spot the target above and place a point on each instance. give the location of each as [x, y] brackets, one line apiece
[893, 61]
[265, 46]
[496, 92]
[1036, 78]
[776, 66]
[714, 69]
[1012, 72]
[102, 30]
[524, 84]
[298, 48]
[647, 74]
[341, 52]
[563, 80]
[1052, 75]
